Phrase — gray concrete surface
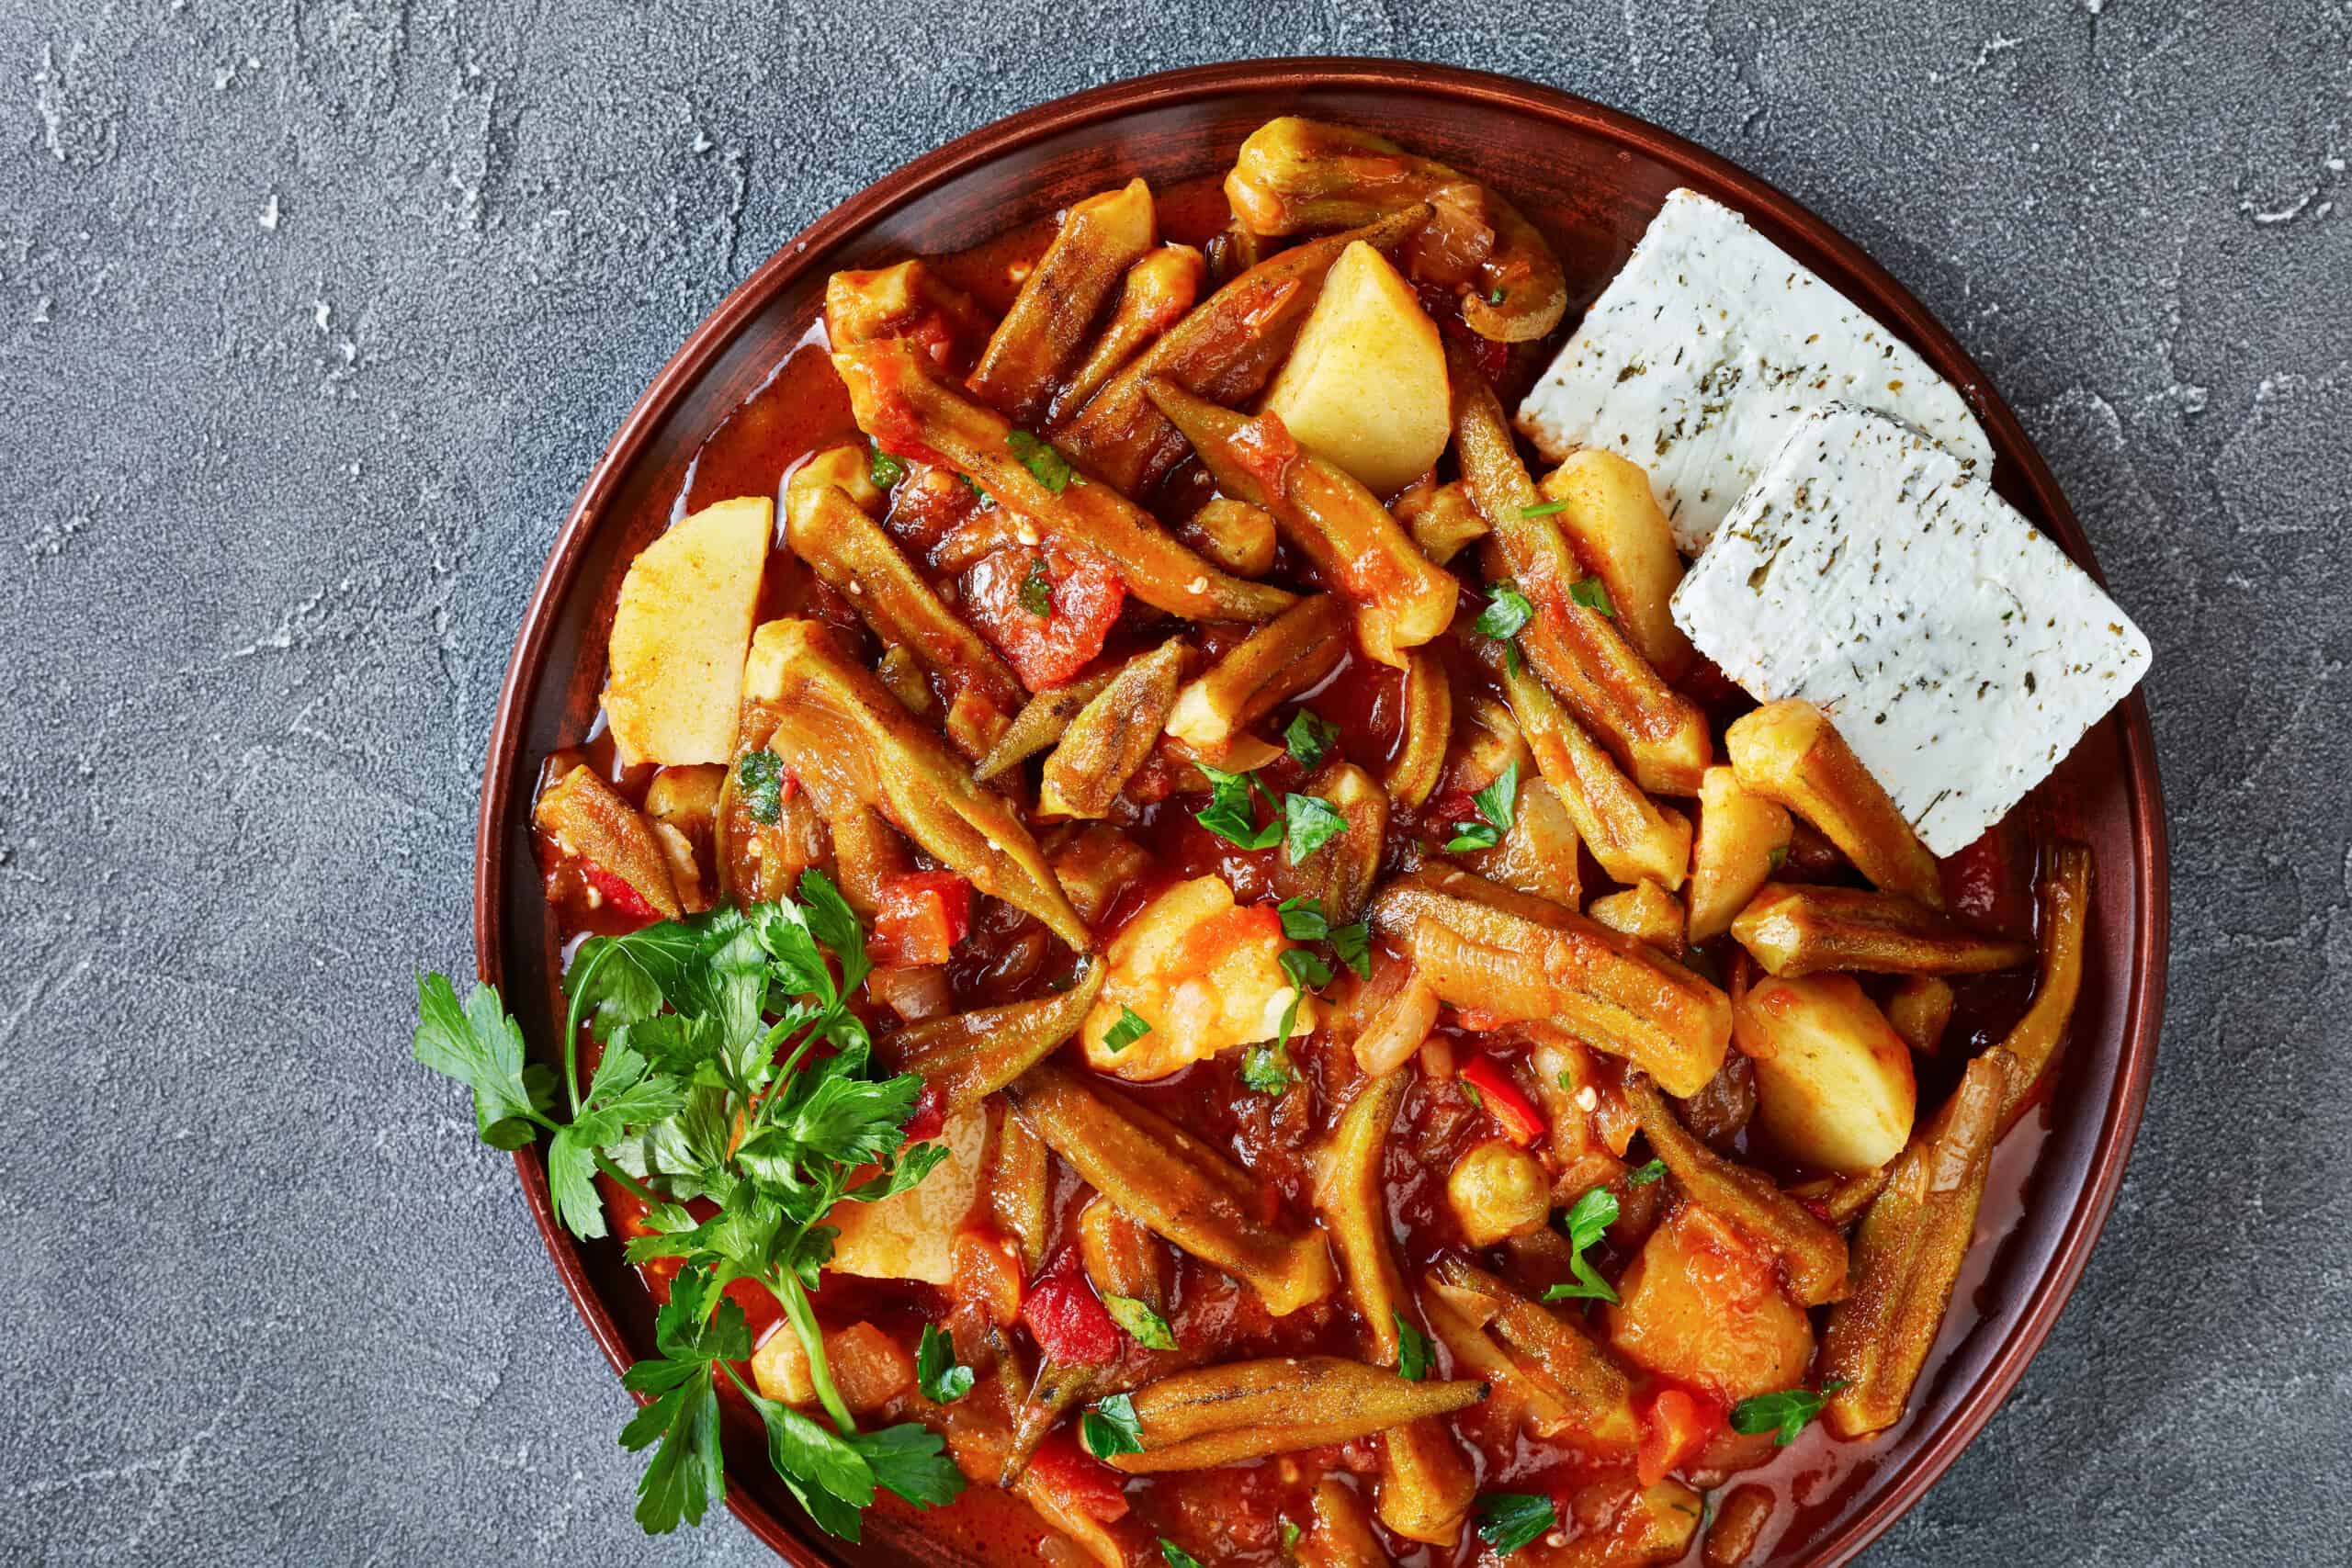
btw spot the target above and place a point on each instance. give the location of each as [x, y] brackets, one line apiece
[314, 316]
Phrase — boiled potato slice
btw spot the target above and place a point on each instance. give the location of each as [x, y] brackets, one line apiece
[1205, 974]
[912, 1234]
[1833, 1079]
[1700, 1303]
[680, 634]
[1740, 836]
[1611, 518]
[1366, 384]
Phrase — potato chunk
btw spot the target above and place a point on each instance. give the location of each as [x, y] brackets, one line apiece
[1366, 384]
[1740, 836]
[912, 1234]
[1833, 1080]
[1700, 1303]
[680, 632]
[1205, 974]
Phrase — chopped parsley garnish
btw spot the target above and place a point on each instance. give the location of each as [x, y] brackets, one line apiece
[1784, 1414]
[1495, 805]
[1231, 813]
[699, 1095]
[1775, 857]
[1150, 1329]
[1037, 591]
[1266, 1067]
[1177, 1557]
[1509, 1520]
[1594, 1213]
[1504, 614]
[1304, 921]
[882, 468]
[1354, 945]
[1412, 1349]
[1132, 1026]
[1543, 509]
[1291, 1533]
[1643, 1176]
[1593, 594]
[1309, 822]
[1310, 738]
[943, 1381]
[1046, 466]
[1111, 1427]
[1495, 297]
[758, 777]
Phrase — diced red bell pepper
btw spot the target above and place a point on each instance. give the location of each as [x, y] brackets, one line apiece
[1512, 1111]
[1071, 1326]
[924, 915]
[1080, 604]
[615, 891]
[1675, 1426]
[1083, 1483]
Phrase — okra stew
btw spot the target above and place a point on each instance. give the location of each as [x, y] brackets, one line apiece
[1189, 959]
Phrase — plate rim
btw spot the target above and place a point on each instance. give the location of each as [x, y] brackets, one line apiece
[2144, 974]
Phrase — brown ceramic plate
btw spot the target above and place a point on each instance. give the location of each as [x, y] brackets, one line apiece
[1590, 178]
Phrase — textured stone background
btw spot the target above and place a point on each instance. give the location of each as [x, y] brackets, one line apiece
[312, 317]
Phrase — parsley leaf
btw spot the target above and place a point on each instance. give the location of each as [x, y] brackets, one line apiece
[1784, 1414]
[1775, 857]
[1643, 1176]
[1306, 972]
[942, 1380]
[1037, 591]
[1046, 464]
[1150, 1329]
[1354, 945]
[482, 1047]
[758, 777]
[1303, 918]
[1593, 594]
[882, 468]
[1132, 1026]
[1310, 823]
[913, 1461]
[1111, 1427]
[1594, 1213]
[1231, 813]
[1176, 1556]
[685, 1473]
[1412, 1351]
[1266, 1068]
[1310, 738]
[1509, 1520]
[1496, 805]
[1505, 614]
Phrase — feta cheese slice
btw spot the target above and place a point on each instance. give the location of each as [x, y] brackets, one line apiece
[1960, 652]
[1705, 349]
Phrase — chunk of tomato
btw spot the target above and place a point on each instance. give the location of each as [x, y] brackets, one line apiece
[1081, 1482]
[923, 916]
[617, 891]
[1071, 1326]
[1675, 1426]
[1047, 610]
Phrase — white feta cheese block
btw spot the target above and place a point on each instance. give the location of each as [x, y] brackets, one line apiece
[1705, 349]
[1960, 653]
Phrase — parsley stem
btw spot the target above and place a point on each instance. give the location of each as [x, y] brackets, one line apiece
[575, 994]
[803, 1318]
[636, 1188]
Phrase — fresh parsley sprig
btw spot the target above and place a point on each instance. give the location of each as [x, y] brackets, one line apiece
[733, 1071]
[1784, 1414]
[1496, 805]
[1593, 1213]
